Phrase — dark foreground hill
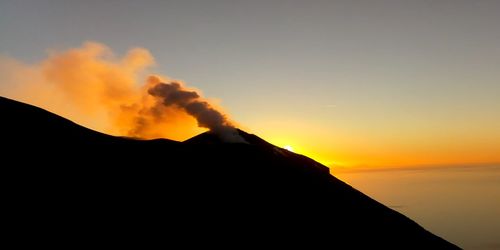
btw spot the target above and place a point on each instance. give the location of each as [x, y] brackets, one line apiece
[65, 185]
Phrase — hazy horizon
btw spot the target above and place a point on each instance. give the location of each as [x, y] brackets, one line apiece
[458, 204]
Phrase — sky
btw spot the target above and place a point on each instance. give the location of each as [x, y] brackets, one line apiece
[372, 83]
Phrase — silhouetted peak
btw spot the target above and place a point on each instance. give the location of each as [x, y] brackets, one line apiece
[210, 137]
[84, 181]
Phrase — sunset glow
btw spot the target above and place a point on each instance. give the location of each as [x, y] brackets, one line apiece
[400, 99]
[289, 148]
[108, 94]
[335, 94]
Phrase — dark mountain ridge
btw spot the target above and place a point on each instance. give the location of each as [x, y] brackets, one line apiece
[66, 184]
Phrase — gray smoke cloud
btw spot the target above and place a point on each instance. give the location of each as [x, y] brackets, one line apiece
[174, 94]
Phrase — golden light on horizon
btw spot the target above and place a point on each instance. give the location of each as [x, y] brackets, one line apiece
[289, 148]
[109, 93]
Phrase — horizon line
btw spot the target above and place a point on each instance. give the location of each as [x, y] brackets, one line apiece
[360, 168]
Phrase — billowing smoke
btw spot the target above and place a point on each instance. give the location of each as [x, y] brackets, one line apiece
[173, 94]
[96, 89]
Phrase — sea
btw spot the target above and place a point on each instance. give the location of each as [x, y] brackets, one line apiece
[458, 203]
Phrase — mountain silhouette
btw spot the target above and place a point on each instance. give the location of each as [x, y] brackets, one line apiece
[66, 185]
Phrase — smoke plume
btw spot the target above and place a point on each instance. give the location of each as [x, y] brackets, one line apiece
[96, 89]
[173, 94]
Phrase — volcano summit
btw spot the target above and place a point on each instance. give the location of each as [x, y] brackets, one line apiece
[68, 185]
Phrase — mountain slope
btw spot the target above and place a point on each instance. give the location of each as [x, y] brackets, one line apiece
[65, 182]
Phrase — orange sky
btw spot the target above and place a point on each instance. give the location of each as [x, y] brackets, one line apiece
[371, 83]
[107, 92]
[349, 146]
